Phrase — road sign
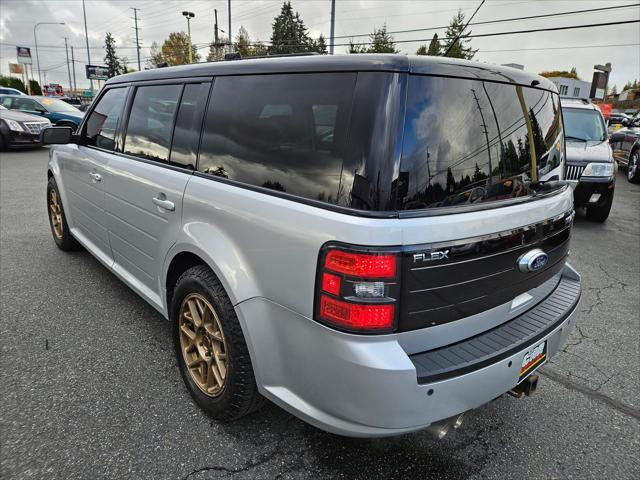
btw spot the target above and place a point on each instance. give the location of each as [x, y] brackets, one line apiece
[97, 72]
[24, 55]
[16, 68]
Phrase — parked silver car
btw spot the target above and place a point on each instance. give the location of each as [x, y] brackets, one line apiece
[289, 217]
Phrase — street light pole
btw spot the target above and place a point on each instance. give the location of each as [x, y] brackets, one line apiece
[35, 40]
[86, 37]
[189, 16]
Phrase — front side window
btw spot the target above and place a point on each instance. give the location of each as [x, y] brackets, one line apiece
[26, 105]
[100, 129]
[469, 141]
[282, 132]
[58, 106]
[150, 125]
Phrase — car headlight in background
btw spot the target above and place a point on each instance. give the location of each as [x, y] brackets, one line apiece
[598, 170]
[13, 125]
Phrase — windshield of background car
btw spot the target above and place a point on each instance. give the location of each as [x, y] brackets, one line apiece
[58, 106]
[582, 124]
[470, 141]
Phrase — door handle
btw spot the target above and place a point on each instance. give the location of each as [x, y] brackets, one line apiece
[96, 177]
[162, 202]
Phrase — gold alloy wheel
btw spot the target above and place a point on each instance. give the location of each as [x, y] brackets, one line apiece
[55, 212]
[203, 346]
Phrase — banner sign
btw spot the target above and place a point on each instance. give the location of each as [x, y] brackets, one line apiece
[16, 68]
[97, 72]
[24, 55]
[605, 109]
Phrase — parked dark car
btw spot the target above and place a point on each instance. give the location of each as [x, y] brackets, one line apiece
[589, 162]
[10, 91]
[19, 129]
[58, 112]
[626, 148]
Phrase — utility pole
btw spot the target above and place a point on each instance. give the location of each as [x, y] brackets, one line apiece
[333, 26]
[73, 67]
[86, 37]
[135, 19]
[229, 32]
[486, 134]
[216, 38]
[501, 161]
[66, 49]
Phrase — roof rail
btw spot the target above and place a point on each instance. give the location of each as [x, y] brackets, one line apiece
[237, 56]
[586, 101]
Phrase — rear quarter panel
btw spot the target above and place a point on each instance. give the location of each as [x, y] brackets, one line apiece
[265, 246]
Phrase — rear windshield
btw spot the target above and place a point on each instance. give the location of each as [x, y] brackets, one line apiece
[583, 125]
[469, 141]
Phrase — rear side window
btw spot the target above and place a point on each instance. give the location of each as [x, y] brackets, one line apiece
[283, 132]
[151, 120]
[188, 125]
[100, 130]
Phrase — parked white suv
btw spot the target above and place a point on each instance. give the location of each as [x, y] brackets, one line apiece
[375, 243]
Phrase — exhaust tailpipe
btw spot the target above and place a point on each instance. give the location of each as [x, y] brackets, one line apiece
[527, 387]
[441, 428]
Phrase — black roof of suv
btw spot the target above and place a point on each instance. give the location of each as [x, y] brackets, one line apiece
[426, 65]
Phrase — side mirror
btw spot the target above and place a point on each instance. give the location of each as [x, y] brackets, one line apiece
[625, 122]
[56, 135]
[41, 111]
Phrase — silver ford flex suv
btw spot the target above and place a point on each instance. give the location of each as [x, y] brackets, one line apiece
[375, 243]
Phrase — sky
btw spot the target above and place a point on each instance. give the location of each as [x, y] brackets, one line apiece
[541, 51]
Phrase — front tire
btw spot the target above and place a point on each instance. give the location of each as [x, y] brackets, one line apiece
[57, 219]
[601, 213]
[212, 353]
[633, 167]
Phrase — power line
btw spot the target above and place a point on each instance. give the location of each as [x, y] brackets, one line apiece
[512, 32]
[562, 48]
[487, 22]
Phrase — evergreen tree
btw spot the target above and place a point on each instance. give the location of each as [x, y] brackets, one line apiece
[289, 33]
[434, 47]
[111, 60]
[460, 48]
[380, 42]
[320, 45]
[246, 48]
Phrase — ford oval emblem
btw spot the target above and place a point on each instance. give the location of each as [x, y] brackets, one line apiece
[533, 261]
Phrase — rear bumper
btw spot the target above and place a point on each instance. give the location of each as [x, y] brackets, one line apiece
[368, 386]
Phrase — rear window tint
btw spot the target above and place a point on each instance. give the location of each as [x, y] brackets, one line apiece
[283, 132]
[468, 141]
[150, 125]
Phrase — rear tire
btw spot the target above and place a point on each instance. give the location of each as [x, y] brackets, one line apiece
[58, 220]
[633, 167]
[212, 353]
[600, 214]
[3, 144]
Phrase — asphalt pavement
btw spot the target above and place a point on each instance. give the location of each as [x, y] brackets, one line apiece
[90, 386]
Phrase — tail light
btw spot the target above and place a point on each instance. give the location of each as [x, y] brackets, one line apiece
[358, 288]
